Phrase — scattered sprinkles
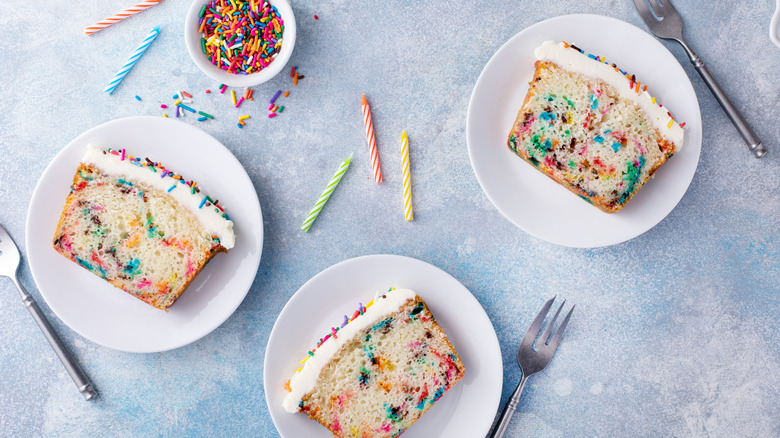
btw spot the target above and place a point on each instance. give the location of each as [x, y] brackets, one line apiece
[273, 99]
[183, 106]
[295, 75]
[273, 108]
[182, 99]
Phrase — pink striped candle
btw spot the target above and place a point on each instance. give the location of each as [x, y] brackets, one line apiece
[371, 141]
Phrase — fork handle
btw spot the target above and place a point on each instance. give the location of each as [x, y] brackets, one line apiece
[753, 143]
[509, 410]
[67, 360]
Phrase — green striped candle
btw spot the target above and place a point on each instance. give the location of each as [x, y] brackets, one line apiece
[326, 194]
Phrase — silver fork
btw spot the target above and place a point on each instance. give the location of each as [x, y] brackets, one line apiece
[532, 361]
[665, 22]
[9, 264]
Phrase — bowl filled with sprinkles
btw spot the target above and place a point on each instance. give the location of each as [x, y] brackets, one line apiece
[240, 43]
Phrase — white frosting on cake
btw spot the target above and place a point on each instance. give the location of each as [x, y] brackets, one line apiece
[209, 217]
[573, 60]
[304, 380]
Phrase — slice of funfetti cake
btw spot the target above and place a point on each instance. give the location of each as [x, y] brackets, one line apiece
[139, 226]
[379, 371]
[592, 127]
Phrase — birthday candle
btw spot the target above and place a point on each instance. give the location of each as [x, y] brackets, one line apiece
[132, 60]
[326, 194]
[407, 177]
[119, 16]
[371, 141]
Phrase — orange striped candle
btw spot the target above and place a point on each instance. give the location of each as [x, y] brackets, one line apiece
[371, 141]
[119, 16]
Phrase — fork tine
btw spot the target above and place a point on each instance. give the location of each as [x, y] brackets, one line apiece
[559, 334]
[658, 8]
[530, 335]
[546, 335]
[644, 12]
[669, 6]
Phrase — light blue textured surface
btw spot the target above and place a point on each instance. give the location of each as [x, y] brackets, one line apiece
[675, 331]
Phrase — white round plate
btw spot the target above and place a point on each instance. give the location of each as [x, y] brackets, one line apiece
[530, 199]
[468, 409]
[107, 315]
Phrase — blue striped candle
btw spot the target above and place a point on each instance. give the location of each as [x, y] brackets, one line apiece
[132, 60]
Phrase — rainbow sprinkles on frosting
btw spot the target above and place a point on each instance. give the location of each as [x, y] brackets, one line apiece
[547, 51]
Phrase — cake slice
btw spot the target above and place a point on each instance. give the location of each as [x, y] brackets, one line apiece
[592, 127]
[140, 226]
[377, 373]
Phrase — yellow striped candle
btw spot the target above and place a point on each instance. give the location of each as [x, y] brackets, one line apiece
[407, 177]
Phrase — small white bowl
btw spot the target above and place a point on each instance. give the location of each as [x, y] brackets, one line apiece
[192, 39]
